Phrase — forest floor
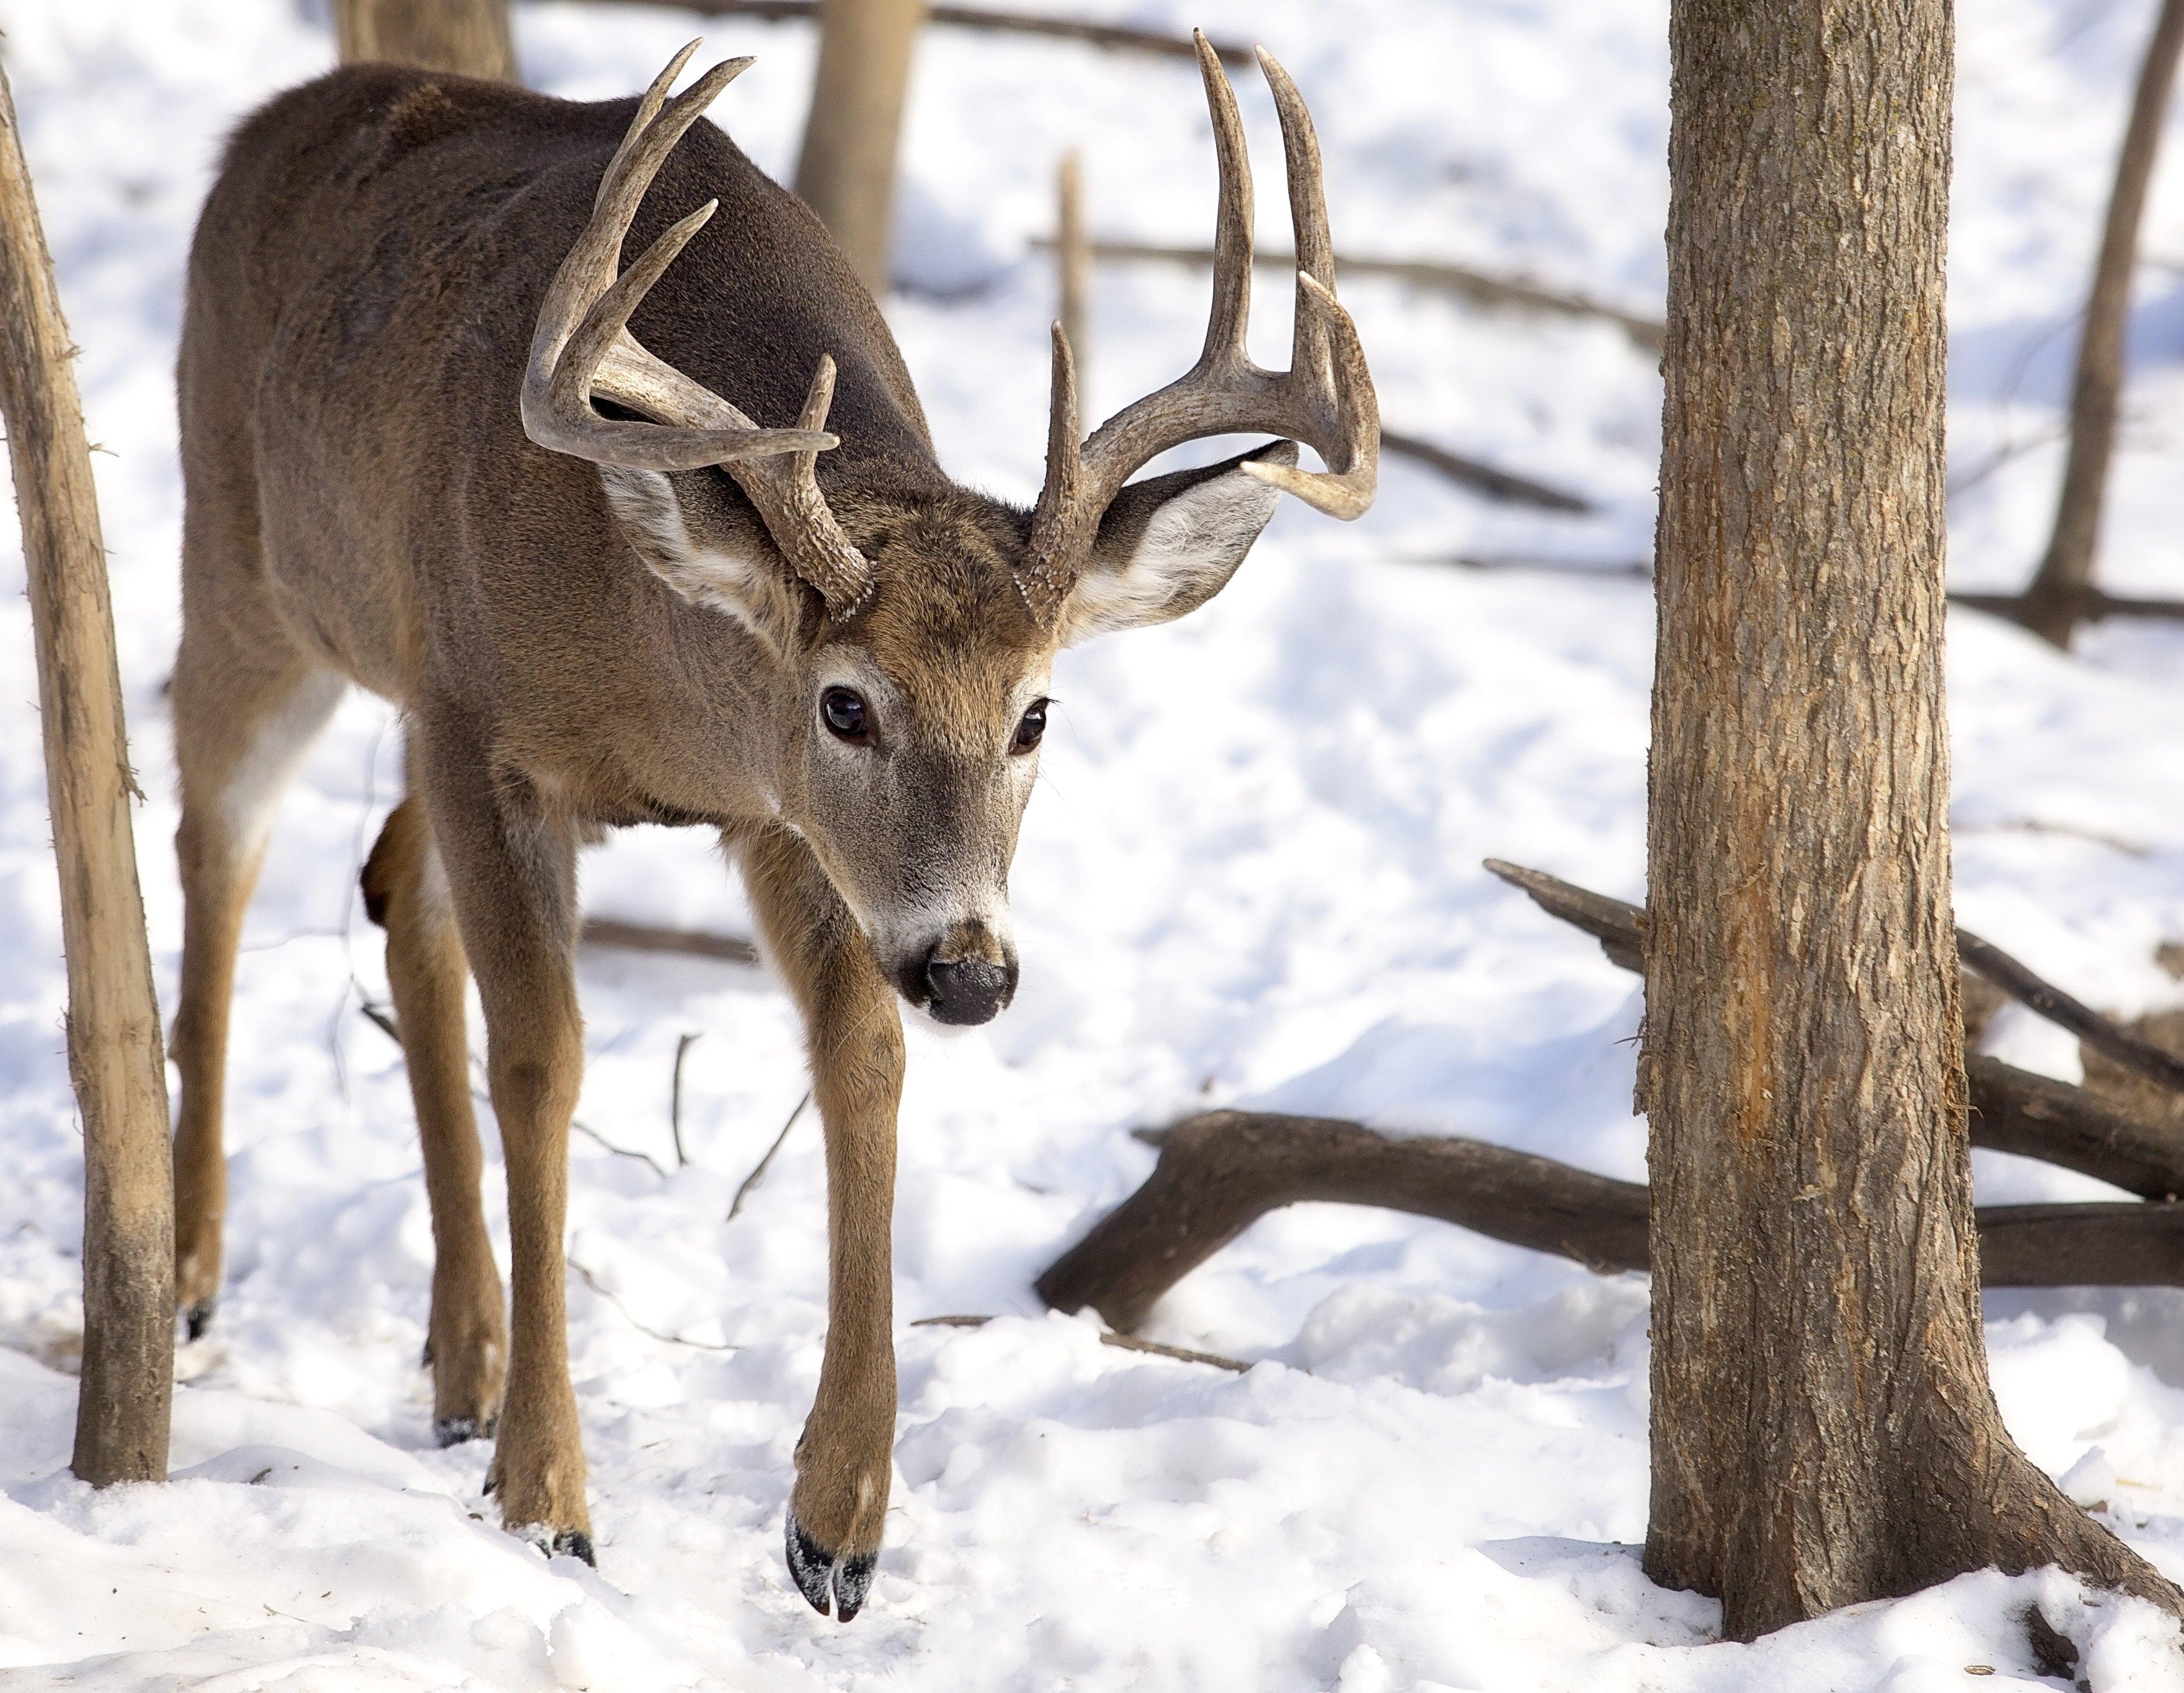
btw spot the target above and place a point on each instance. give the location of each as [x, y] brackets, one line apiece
[1251, 876]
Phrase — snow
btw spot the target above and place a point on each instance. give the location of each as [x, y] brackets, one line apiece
[1252, 877]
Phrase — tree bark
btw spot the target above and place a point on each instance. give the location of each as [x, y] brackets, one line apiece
[846, 173]
[467, 37]
[1823, 1428]
[2057, 599]
[114, 1056]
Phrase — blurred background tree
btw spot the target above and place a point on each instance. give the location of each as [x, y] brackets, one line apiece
[846, 172]
[470, 37]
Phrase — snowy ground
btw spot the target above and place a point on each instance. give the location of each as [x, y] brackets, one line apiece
[1253, 877]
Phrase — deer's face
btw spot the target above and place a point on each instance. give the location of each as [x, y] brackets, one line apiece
[908, 732]
[910, 743]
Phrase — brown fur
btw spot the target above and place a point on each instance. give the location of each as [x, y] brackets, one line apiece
[363, 507]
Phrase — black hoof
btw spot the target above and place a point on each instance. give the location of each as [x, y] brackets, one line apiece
[196, 1318]
[574, 1543]
[824, 1580]
[810, 1566]
[452, 1431]
[853, 1581]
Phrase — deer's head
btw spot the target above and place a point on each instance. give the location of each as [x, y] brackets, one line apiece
[914, 632]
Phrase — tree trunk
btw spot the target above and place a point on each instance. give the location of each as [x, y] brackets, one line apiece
[2057, 601]
[114, 1056]
[846, 174]
[1823, 1430]
[469, 37]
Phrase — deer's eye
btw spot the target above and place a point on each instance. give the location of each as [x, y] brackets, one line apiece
[846, 716]
[1033, 726]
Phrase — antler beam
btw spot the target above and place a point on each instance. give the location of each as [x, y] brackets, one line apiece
[1325, 399]
[582, 348]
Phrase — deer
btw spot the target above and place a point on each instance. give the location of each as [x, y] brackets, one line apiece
[439, 444]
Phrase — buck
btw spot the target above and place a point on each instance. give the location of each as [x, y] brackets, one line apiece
[425, 455]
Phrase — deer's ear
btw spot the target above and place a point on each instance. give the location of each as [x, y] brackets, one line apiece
[1168, 544]
[692, 538]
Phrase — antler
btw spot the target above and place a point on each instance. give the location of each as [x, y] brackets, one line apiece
[1325, 399]
[582, 348]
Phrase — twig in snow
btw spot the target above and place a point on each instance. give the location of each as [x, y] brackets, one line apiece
[379, 1019]
[1108, 1337]
[594, 1282]
[758, 1172]
[675, 1101]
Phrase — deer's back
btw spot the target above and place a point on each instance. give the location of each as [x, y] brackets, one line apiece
[362, 291]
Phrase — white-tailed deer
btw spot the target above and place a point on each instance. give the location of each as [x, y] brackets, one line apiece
[403, 306]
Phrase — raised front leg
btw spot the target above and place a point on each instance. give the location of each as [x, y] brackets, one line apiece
[845, 1459]
[510, 864]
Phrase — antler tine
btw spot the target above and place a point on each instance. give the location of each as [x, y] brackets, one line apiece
[1351, 441]
[583, 346]
[1231, 313]
[1325, 399]
[1044, 578]
[1315, 248]
[648, 109]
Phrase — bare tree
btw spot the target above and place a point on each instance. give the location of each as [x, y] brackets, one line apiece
[2056, 602]
[114, 1018]
[469, 37]
[1823, 1428]
[1072, 264]
[846, 173]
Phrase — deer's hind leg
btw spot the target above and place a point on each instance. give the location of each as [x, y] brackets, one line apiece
[405, 892]
[247, 703]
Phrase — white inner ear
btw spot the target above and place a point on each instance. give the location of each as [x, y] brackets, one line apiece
[1191, 546]
[741, 586]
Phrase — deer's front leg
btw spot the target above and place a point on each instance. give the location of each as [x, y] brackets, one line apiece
[511, 868]
[854, 1031]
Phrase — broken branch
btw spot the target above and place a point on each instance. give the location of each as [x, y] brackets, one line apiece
[1221, 1172]
[613, 932]
[1481, 288]
[2012, 1110]
[1483, 478]
[1114, 38]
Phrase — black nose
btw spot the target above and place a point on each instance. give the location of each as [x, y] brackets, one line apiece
[969, 990]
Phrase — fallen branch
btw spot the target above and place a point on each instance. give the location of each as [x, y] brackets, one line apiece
[1482, 287]
[1114, 38]
[2082, 605]
[2037, 1117]
[1483, 478]
[613, 932]
[1615, 924]
[2104, 1035]
[1607, 569]
[1108, 1337]
[2012, 1110]
[1220, 1173]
